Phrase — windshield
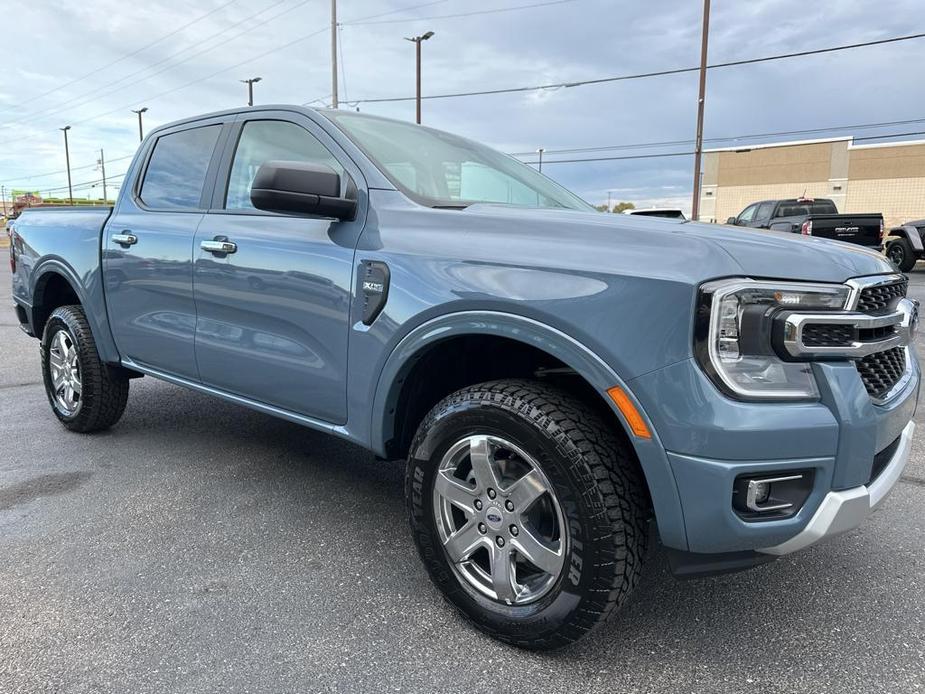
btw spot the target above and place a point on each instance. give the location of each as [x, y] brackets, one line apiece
[437, 169]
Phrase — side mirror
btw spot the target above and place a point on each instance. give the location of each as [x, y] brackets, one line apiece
[297, 187]
[731, 220]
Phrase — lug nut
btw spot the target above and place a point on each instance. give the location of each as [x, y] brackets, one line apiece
[492, 493]
[482, 528]
[500, 541]
[478, 504]
[514, 531]
[509, 505]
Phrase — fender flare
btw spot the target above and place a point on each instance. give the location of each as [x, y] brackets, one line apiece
[650, 452]
[910, 233]
[98, 327]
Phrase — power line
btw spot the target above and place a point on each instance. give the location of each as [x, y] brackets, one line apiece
[192, 82]
[127, 55]
[644, 75]
[126, 81]
[63, 171]
[460, 14]
[631, 156]
[684, 154]
[734, 138]
[362, 20]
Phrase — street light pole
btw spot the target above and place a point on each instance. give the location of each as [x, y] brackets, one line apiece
[540, 152]
[333, 53]
[67, 159]
[250, 89]
[141, 134]
[698, 144]
[416, 40]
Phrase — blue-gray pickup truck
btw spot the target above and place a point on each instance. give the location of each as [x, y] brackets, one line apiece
[562, 383]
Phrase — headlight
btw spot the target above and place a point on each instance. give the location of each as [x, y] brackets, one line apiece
[733, 336]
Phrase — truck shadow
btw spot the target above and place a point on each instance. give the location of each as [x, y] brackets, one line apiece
[714, 625]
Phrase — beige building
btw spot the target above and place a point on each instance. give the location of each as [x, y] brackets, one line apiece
[884, 177]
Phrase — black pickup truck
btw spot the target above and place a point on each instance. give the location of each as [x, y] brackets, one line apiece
[812, 217]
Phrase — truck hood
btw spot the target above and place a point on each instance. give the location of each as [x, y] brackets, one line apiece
[732, 250]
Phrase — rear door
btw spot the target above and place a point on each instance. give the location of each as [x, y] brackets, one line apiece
[273, 316]
[147, 248]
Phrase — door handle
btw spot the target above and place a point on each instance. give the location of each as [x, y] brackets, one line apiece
[222, 247]
[125, 239]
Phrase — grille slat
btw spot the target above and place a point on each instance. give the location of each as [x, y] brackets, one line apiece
[827, 335]
[882, 297]
[881, 371]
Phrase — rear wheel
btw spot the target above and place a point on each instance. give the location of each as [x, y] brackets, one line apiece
[85, 394]
[901, 254]
[529, 514]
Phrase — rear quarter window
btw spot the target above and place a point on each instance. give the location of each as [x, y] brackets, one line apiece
[177, 168]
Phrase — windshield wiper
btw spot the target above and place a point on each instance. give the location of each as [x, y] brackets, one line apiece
[449, 207]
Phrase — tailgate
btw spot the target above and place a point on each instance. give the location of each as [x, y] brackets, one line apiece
[863, 229]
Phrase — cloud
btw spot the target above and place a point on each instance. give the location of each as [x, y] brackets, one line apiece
[586, 39]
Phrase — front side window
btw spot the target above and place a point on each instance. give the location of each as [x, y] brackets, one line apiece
[272, 140]
[442, 170]
[177, 169]
[747, 213]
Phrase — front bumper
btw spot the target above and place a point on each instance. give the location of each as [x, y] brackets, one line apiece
[710, 440]
[846, 509]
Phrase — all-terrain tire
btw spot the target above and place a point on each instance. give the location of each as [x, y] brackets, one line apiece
[901, 254]
[596, 479]
[103, 391]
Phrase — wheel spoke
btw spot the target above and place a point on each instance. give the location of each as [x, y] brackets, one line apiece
[68, 394]
[538, 552]
[502, 574]
[482, 465]
[526, 490]
[75, 384]
[454, 491]
[55, 359]
[462, 543]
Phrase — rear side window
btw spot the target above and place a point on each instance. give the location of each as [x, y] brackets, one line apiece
[764, 210]
[177, 169]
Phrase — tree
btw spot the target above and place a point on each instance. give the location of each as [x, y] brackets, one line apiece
[618, 208]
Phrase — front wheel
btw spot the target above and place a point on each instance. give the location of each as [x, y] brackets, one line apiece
[901, 254]
[85, 394]
[528, 512]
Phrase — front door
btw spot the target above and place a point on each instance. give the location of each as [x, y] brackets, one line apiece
[147, 252]
[273, 315]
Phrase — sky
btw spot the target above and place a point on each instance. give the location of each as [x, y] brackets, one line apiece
[87, 64]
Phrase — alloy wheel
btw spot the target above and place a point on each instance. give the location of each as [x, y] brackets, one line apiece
[499, 520]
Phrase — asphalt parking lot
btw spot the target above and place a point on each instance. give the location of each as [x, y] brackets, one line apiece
[200, 547]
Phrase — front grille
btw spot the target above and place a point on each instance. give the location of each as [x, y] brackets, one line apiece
[827, 335]
[881, 371]
[881, 297]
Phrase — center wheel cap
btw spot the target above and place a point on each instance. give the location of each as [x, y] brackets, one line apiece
[494, 518]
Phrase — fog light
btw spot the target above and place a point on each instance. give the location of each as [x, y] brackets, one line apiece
[763, 497]
[758, 493]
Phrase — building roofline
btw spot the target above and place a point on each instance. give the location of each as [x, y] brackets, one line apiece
[903, 143]
[768, 145]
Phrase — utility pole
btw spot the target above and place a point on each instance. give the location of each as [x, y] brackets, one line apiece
[333, 53]
[609, 208]
[141, 134]
[250, 89]
[3, 195]
[416, 40]
[698, 144]
[67, 159]
[540, 152]
[102, 163]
